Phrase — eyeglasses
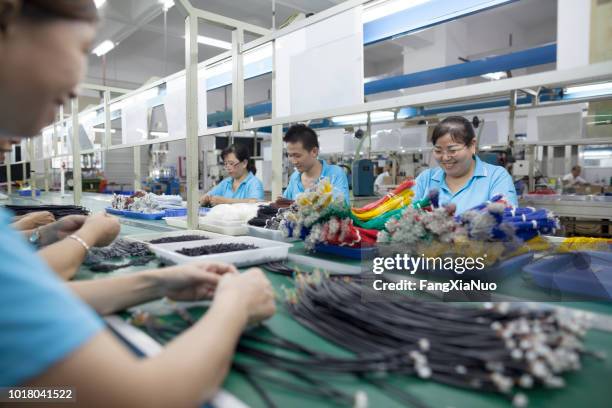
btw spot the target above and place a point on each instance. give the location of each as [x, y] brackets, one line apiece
[451, 151]
[230, 165]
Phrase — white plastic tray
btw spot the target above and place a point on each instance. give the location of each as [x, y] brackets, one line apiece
[209, 225]
[229, 228]
[266, 251]
[266, 233]
[145, 238]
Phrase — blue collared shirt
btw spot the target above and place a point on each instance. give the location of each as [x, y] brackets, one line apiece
[250, 187]
[335, 174]
[41, 320]
[487, 181]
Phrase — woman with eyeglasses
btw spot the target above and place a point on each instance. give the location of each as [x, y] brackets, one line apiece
[241, 186]
[462, 178]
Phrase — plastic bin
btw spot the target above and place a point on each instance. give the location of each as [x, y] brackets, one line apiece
[266, 251]
[136, 215]
[265, 233]
[582, 272]
[145, 238]
[28, 193]
[347, 252]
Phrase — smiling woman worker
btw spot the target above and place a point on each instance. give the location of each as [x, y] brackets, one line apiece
[241, 186]
[462, 178]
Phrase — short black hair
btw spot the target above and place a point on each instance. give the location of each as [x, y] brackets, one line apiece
[242, 153]
[302, 133]
[459, 128]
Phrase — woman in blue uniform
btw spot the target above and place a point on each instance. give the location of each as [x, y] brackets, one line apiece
[462, 178]
[241, 186]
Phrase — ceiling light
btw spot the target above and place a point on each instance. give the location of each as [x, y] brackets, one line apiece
[98, 130]
[384, 8]
[495, 76]
[104, 47]
[603, 87]
[360, 118]
[99, 3]
[166, 4]
[214, 42]
[159, 134]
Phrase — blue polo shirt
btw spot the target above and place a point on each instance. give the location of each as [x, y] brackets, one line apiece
[41, 320]
[487, 181]
[250, 187]
[335, 174]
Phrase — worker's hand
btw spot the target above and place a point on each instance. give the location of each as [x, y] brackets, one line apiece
[251, 290]
[99, 229]
[192, 281]
[60, 229]
[216, 200]
[33, 220]
[205, 200]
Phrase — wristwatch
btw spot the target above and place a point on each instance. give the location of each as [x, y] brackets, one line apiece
[35, 237]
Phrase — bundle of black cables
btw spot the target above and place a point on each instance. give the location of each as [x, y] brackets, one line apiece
[58, 211]
[258, 364]
[121, 253]
[264, 213]
[494, 348]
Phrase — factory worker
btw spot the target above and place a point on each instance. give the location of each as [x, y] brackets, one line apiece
[303, 151]
[462, 178]
[50, 336]
[378, 182]
[241, 186]
[573, 178]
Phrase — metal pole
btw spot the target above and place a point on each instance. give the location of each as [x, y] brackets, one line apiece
[532, 161]
[30, 145]
[77, 183]
[137, 175]
[55, 137]
[191, 75]
[107, 121]
[9, 180]
[277, 138]
[511, 115]
[369, 134]
[273, 15]
[237, 80]
[46, 165]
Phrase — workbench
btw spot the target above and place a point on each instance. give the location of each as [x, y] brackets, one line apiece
[590, 387]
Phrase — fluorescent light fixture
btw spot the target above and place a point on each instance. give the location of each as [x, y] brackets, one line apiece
[214, 42]
[252, 56]
[166, 4]
[376, 116]
[384, 8]
[98, 130]
[597, 154]
[495, 76]
[159, 134]
[605, 86]
[99, 3]
[104, 47]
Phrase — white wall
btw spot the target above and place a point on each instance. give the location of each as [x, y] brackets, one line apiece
[573, 30]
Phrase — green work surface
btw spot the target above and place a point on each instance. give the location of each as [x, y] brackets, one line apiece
[588, 387]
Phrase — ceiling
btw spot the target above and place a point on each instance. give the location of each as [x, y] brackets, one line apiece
[151, 45]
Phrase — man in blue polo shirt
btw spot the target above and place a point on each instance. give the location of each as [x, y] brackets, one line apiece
[303, 152]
